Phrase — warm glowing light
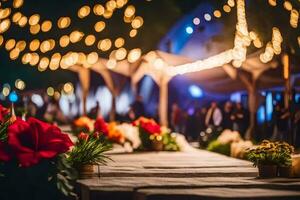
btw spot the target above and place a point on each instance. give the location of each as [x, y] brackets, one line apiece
[258, 43]
[273, 2]
[34, 45]
[99, 26]
[76, 36]
[46, 26]
[287, 5]
[23, 21]
[10, 44]
[119, 42]
[50, 91]
[16, 17]
[104, 45]
[231, 3]
[4, 25]
[294, 18]
[64, 41]
[26, 58]
[68, 88]
[20, 84]
[92, 58]
[98, 10]
[14, 54]
[134, 55]
[4, 13]
[34, 19]
[54, 62]
[18, 3]
[44, 63]
[34, 59]
[5, 91]
[35, 29]
[90, 40]
[56, 95]
[21, 45]
[64, 22]
[121, 54]
[133, 33]
[1, 40]
[137, 22]
[45, 46]
[84, 11]
[217, 14]
[129, 11]
[226, 8]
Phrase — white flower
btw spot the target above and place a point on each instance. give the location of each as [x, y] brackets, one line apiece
[131, 134]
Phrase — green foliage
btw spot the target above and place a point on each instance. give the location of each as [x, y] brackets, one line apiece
[169, 142]
[50, 179]
[269, 153]
[89, 152]
[216, 146]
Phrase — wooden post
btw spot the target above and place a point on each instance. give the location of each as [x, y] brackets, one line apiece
[84, 78]
[163, 101]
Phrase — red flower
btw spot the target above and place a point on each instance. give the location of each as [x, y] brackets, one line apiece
[4, 152]
[3, 112]
[101, 126]
[151, 128]
[83, 136]
[34, 140]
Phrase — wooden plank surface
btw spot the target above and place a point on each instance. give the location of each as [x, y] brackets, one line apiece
[195, 174]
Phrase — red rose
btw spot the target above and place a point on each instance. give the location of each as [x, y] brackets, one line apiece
[101, 126]
[34, 140]
[3, 112]
[151, 128]
[83, 136]
[4, 152]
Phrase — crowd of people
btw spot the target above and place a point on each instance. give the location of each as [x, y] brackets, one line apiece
[230, 116]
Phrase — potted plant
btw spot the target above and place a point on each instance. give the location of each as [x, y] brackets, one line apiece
[265, 157]
[88, 151]
[285, 152]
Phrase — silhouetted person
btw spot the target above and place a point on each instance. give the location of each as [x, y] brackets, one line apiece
[227, 122]
[138, 107]
[176, 118]
[241, 118]
[95, 111]
[214, 116]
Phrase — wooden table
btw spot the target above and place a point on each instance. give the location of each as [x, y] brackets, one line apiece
[195, 174]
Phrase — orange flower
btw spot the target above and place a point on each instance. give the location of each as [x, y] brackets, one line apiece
[84, 122]
[114, 134]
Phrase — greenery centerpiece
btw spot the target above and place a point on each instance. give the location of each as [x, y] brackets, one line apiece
[88, 151]
[270, 156]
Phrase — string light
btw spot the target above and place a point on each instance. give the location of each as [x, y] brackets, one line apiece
[134, 55]
[196, 21]
[34, 45]
[119, 42]
[207, 17]
[20, 84]
[84, 11]
[133, 33]
[50, 91]
[46, 26]
[294, 18]
[217, 14]
[10, 44]
[90, 40]
[64, 22]
[287, 5]
[99, 26]
[35, 29]
[272, 2]
[34, 19]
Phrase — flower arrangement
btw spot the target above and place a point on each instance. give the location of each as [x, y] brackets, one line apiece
[82, 124]
[269, 156]
[223, 143]
[88, 151]
[33, 159]
[155, 137]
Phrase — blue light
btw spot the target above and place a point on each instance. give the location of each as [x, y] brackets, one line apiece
[189, 30]
[297, 98]
[13, 97]
[269, 106]
[236, 97]
[261, 114]
[195, 91]
[278, 96]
